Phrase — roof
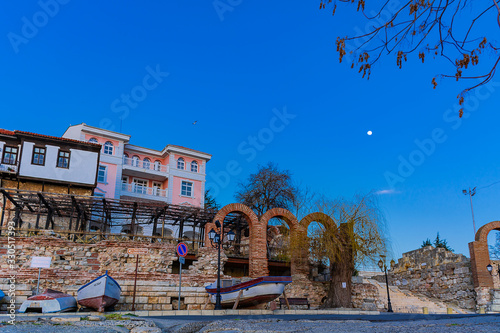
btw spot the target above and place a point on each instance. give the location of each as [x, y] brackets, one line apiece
[193, 150]
[57, 138]
[6, 132]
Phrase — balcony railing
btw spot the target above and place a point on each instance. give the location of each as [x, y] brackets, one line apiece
[140, 190]
[140, 164]
[8, 168]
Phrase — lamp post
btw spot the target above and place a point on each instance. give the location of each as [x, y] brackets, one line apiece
[383, 267]
[471, 193]
[216, 239]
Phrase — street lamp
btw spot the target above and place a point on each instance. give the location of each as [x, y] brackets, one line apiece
[490, 268]
[471, 193]
[217, 239]
[383, 268]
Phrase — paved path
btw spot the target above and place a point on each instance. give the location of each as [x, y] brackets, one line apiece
[285, 323]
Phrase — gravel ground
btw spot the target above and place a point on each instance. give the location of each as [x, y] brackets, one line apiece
[480, 324]
[477, 324]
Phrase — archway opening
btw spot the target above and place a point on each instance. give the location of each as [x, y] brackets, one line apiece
[494, 251]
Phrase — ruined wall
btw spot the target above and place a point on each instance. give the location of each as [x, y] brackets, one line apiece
[436, 273]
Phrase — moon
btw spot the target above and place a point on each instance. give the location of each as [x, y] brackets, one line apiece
[369, 133]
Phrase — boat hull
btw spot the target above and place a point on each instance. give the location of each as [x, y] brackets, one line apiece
[48, 302]
[99, 294]
[253, 292]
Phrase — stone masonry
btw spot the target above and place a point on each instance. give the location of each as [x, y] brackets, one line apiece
[436, 273]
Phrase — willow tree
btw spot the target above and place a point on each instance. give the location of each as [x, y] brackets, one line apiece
[355, 238]
[463, 32]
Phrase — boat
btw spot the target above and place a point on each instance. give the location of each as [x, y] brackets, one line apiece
[100, 293]
[49, 301]
[2, 295]
[249, 293]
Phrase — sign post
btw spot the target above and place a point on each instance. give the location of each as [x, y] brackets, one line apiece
[182, 251]
[40, 262]
[136, 251]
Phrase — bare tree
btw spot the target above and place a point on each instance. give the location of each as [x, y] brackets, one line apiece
[268, 188]
[450, 29]
[357, 237]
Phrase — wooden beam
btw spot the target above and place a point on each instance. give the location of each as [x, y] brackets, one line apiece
[7, 195]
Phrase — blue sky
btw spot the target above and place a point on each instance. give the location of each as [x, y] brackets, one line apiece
[268, 73]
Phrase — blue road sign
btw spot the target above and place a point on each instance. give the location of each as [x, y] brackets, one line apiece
[182, 260]
[182, 249]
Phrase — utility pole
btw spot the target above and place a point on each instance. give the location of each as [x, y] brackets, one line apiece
[471, 193]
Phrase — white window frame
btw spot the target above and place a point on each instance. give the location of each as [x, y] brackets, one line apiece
[179, 160]
[157, 187]
[157, 165]
[194, 163]
[135, 161]
[93, 140]
[192, 188]
[105, 174]
[106, 148]
[144, 188]
[146, 163]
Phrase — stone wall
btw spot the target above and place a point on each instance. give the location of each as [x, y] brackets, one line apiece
[436, 273]
[74, 264]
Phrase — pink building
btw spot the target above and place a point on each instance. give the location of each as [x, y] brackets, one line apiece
[174, 175]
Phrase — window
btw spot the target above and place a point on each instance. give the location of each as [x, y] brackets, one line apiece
[93, 140]
[108, 148]
[156, 188]
[63, 159]
[135, 161]
[102, 174]
[186, 189]
[99, 195]
[194, 166]
[38, 156]
[147, 163]
[157, 165]
[180, 163]
[9, 155]
[141, 186]
[125, 185]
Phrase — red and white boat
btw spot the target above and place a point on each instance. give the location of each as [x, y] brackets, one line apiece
[49, 301]
[100, 293]
[253, 292]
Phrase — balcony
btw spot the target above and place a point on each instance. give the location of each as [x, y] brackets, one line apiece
[143, 192]
[139, 168]
[10, 168]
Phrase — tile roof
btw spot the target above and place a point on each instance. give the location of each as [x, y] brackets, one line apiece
[57, 138]
[6, 132]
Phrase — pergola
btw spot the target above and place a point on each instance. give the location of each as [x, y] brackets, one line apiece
[101, 214]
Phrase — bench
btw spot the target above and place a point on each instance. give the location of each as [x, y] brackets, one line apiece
[295, 301]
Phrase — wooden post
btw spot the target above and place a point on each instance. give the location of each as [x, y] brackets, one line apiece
[135, 281]
[235, 306]
[286, 300]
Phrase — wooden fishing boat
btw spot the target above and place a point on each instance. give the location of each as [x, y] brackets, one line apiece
[49, 301]
[100, 293]
[249, 293]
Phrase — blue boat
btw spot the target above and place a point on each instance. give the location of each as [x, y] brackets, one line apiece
[2, 295]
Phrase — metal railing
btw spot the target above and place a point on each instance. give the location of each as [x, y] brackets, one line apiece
[147, 165]
[143, 190]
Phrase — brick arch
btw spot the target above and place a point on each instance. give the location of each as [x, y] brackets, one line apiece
[317, 217]
[257, 261]
[482, 233]
[289, 218]
[480, 256]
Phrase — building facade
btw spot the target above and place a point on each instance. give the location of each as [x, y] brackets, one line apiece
[174, 175]
[37, 162]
